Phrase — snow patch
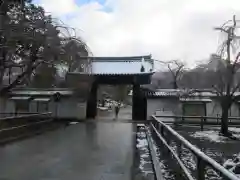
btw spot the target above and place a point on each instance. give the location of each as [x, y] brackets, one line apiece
[234, 129]
[229, 164]
[142, 143]
[231, 129]
[103, 108]
[72, 123]
[233, 165]
[146, 155]
[209, 135]
[142, 146]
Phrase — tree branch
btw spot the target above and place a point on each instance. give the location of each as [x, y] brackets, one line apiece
[217, 91]
[20, 78]
[235, 89]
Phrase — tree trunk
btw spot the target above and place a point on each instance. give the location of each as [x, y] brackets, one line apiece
[3, 12]
[31, 66]
[175, 86]
[224, 121]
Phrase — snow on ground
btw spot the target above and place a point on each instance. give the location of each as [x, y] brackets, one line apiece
[214, 136]
[142, 143]
[166, 172]
[231, 129]
[73, 123]
[103, 108]
[234, 129]
[233, 165]
[109, 104]
[210, 135]
[222, 149]
[145, 164]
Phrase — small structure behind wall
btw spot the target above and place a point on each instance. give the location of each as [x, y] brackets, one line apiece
[42, 104]
[63, 103]
[194, 107]
[163, 102]
[21, 104]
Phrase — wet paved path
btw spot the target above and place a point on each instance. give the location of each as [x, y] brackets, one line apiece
[86, 151]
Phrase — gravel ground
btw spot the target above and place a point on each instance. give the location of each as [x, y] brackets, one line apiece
[219, 148]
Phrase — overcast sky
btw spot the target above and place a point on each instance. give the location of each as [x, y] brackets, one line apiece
[167, 29]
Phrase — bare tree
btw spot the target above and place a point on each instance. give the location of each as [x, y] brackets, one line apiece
[203, 75]
[228, 83]
[29, 40]
[176, 68]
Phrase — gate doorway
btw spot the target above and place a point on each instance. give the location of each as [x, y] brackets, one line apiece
[132, 71]
[108, 97]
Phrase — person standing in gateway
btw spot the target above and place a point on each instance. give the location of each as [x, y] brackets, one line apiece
[117, 108]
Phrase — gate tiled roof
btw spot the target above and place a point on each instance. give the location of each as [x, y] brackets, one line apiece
[122, 65]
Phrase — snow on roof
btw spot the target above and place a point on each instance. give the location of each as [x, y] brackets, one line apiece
[119, 58]
[35, 92]
[122, 65]
[180, 92]
[20, 98]
[42, 99]
[164, 93]
[195, 100]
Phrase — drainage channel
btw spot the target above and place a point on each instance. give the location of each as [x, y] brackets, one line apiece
[143, 164]
[151, 162]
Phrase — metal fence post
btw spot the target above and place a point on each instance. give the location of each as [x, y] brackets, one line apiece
[200, 169]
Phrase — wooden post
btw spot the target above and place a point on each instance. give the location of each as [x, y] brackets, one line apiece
[179, 149]
[158, 127]
[56, 109]
[92, 102]
[9, 75]
[162, 131]
[200, 169]
[135, 102]
[37, 106]
[202, 123]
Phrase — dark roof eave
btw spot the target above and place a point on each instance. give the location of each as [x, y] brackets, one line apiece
[161, 97]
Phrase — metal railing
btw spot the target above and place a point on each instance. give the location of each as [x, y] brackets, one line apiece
[160, 129]
[217, 118]
[203, 120]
